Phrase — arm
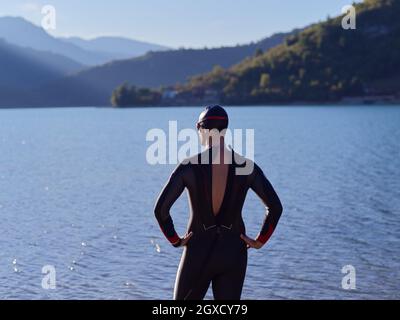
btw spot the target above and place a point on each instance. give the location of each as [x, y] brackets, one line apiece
[263, 188]
[172, 190]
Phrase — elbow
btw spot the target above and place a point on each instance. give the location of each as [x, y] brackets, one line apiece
[278, 209]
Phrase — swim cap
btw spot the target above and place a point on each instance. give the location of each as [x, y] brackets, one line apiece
[213, 117]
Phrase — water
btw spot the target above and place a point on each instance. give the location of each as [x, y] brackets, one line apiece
[77, 193]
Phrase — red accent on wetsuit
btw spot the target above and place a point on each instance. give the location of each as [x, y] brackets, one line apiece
[214, 118]
[263, 238]
[174, 239]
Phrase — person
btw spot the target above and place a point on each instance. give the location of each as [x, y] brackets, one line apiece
[215, 245]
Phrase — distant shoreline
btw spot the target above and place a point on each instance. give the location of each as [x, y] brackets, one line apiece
[297, 104]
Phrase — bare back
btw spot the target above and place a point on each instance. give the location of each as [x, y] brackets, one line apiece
[219, 181]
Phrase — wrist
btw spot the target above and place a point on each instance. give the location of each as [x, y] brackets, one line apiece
[174, 239]
[177, 243]
[262, 238]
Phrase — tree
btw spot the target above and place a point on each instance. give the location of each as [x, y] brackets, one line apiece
[265, 80]
[258, 52]
[126, 95]
[123, 96]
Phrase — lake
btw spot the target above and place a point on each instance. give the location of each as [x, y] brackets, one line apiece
[77, 193]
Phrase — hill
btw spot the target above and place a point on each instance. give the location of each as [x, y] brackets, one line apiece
[94, 86]
[93, 52]
[25, 68]
[116, 48]
[323, 63]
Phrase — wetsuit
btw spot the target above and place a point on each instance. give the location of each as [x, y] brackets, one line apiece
[215, 253]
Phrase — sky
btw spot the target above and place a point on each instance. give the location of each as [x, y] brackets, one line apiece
[177, 23]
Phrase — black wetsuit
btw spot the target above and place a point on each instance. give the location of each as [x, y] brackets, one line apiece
[215, 253]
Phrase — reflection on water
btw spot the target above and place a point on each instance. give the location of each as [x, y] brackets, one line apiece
[76, 193]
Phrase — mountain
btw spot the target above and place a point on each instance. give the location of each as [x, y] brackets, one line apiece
[320, 64]
[116, 48]
[94, 86]
[20, 32]
[25, 68]
[17, 64]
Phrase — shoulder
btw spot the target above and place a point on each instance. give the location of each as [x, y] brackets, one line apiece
[245, 166]
[186, 164]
